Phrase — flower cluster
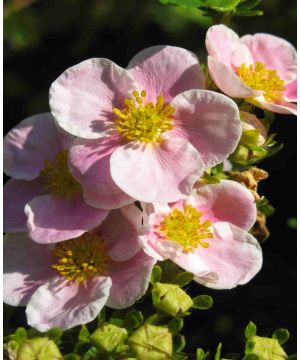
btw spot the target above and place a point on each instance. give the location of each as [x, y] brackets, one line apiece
[114, 179]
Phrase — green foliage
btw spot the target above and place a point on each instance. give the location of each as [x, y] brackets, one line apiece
[218, 352]
[282, 335]
[264, 206]
[250, 330]
[201, 354]
[202, 302]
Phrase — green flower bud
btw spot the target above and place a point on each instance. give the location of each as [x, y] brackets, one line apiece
[40, 348]
[108, 337]
[265, 348]
[171, 299]
[151, 342]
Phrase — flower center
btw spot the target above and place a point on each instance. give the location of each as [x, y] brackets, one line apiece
[186, 228]
[81, 258]
[57, 177]
[257, 77]
[143, 121]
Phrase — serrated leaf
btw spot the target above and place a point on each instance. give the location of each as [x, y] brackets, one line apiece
[250, 330]
[175, 325]
[84, 334]
[183, 278]
[248, 5]
[282, 335]
[155, 274]
[202, 302]
[222, 5]
[218, 352]
[250, 13]
[178, 342]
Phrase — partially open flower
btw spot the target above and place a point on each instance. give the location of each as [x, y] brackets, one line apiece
[68, 283]
[206, 234]
[151, 126]
[36, 157]
[260, 68]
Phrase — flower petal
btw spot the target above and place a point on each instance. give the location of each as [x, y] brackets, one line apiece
[28, 145]
[27, 265]
[290, 93]
[226, 79]
[162, 172]
[166, 70]
[16, 194]
[52, 219]
[220, 43]
[120, 232]
[209, 121]
[82, 98]
[130, 280]
[280, 107]
[276, 53]
[90, 165]
[226, 201]
[65, 304]
[233, 254]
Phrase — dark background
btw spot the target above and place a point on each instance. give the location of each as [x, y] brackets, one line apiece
[43, 38]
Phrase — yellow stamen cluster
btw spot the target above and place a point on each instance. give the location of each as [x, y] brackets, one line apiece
[57, 177]
[144, 121]
[81, 258]
[257, 77]
[185, 227]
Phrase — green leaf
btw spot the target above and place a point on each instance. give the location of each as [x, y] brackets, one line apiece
[282, 335]
[133, 319]
[55, 334]
[178, 342]
[264, 206]
[250, 13]
[201, 354]
[156, 274]
[84, 334]
[151, 342]
[217, 169]
[222, 5]
[20, 335]
[202, 302]
[248, 5]
[90, 354]
[250, 330]
[292, 223]
[117, 317]
[71, 357]
[218, 352]
[101, 317]
[183, 278]
[175, 325]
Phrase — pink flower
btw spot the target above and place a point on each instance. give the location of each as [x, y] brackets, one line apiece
[68, 283]
[35, 155]
[260, 68]
[151, 126]
[206, 234]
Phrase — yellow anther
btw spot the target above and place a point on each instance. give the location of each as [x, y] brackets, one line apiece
[142, 121]
[185, 227]
[57, 178]
[81, 258]
[257, 77]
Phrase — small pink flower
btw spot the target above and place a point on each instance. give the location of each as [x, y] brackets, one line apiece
[67, 284]
[151, 126]
[36, 157]
[261, 68]
[206, 234]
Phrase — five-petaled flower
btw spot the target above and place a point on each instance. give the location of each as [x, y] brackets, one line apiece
[260, 68]
[206, 234]
[68, 283]
[151, 127]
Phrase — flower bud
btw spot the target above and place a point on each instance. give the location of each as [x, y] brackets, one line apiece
[39, 348]
[265, 348]
[108, 337]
